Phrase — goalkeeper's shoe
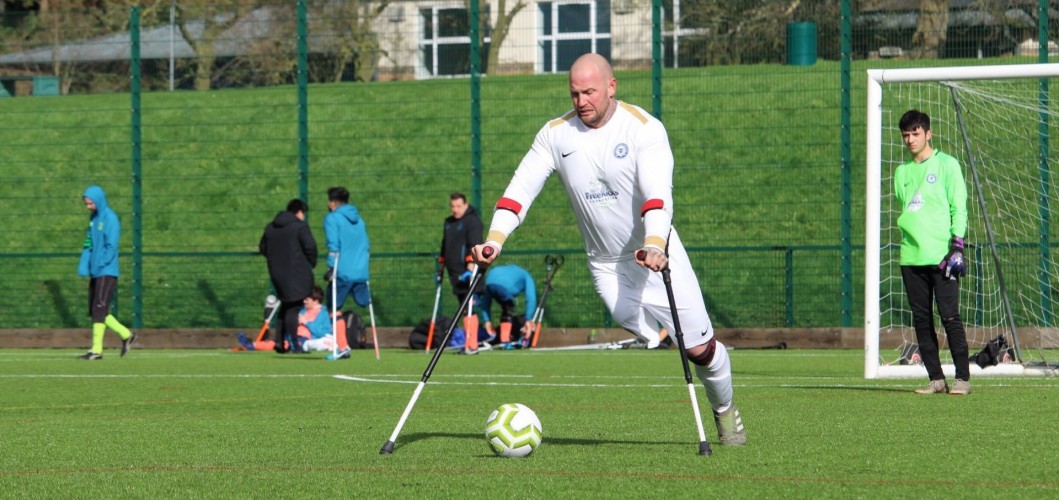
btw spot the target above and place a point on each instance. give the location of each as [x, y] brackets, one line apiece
[934, 387]
[730, 428]
[960, 388]
[126, 344]
[90, 356]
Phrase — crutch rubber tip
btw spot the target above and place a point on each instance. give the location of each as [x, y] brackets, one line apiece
[386, 448]
[704, 449]
[487, 252]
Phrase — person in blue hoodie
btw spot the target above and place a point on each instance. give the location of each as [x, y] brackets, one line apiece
[503, 284]
[348, 250]
[99, 262]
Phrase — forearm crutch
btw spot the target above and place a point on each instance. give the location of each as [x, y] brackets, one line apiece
[371, 314]
[334, 309]
[552, 265]
[704, 446]
[387, 448]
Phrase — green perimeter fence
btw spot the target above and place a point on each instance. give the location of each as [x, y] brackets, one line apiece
[201, 122]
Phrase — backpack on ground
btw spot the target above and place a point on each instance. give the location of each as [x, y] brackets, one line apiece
[994, 352]
[355, 331]
[417, 339]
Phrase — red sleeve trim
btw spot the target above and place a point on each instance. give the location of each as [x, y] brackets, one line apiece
[652, 204]
[509, 204]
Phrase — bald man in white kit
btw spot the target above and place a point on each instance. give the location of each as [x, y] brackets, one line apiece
[616, 165]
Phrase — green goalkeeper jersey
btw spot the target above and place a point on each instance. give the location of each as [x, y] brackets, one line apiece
[933, 200]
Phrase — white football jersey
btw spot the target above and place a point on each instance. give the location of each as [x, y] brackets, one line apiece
[609, 174]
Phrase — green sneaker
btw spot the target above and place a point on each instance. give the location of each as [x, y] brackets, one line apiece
[960, 388]
[730, 427]
[935, 387]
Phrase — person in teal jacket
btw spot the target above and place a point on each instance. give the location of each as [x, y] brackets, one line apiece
[347, 242]
[933, 198]
[503, 284]
[99, 263]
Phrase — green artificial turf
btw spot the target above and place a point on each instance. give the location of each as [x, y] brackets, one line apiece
[617, 424]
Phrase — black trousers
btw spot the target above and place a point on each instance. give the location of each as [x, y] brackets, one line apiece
[100, 295]
[507, 311]
[924, 285]
[288, 327]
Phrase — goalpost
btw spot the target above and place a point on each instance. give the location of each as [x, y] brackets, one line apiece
[1000, 123]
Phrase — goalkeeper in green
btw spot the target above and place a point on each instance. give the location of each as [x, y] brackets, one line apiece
[933, 197]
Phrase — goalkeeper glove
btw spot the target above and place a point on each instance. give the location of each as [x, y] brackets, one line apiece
[954, 265]
[465, 276]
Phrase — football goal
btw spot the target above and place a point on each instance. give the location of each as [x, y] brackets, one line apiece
[1001, 123]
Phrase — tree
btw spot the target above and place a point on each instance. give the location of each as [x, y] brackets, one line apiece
[350, 37]
[365, 42]
[215, 17]
[499, 31]
[932, 24]
[58, 24]
[737, 31]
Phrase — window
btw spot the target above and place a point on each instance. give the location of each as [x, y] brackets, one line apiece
[570, 29]
[445, 42]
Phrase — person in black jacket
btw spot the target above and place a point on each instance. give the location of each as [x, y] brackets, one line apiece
[290, 250]
[463, 230]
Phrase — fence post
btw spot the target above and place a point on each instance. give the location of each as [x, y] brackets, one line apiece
[303, 102]
[788, 283]
[476, 109]
[656, 58]
[846, 263]
[135, 85]
[1044, 171]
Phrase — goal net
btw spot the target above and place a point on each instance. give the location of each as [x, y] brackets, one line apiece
[1001, 123]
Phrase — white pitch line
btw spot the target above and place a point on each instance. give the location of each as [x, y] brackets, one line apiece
[748, 382]
[504, 384]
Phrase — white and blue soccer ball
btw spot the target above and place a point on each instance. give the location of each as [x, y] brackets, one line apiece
[513, 430]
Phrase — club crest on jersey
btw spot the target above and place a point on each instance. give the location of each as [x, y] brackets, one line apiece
[931, 178]
[621, 151]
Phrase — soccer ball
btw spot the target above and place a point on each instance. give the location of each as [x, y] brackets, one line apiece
[513, 430]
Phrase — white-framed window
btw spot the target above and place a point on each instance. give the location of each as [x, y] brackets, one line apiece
[569, 29]
[445, 42]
